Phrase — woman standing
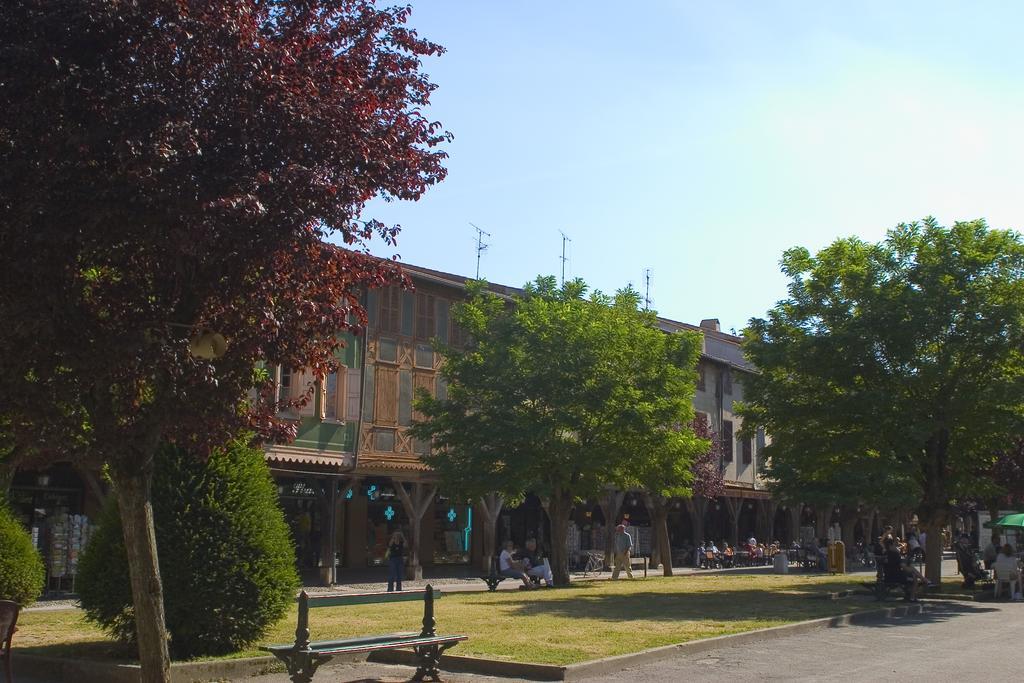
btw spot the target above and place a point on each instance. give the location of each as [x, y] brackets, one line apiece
[396, 561]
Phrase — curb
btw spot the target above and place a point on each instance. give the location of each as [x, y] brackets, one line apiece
[550, 672]
[63, 670]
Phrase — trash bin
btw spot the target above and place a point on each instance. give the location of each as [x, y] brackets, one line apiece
[780, 563]
[837, 558]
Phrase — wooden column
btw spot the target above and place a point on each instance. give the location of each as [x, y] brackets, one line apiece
[611, 504]
[416, 506]
[794, 521]
[355, 529]
[733, 508]
[489, 508]
[698, 508]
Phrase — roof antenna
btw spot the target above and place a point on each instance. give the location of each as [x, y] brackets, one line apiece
[565, 238]
[480, 246]
[647, 291]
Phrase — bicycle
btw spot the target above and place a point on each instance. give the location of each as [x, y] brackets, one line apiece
[594, 563]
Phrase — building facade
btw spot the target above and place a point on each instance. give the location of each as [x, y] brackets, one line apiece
[354, 504]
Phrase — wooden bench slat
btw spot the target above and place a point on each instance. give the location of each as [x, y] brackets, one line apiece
[345, 641]
[338, 599]
[369, 645]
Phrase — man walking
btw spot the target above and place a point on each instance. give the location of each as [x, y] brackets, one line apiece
[623, 547]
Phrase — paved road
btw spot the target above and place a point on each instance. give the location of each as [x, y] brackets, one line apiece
[949, 642]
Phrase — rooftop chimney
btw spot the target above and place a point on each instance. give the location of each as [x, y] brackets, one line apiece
[711, 324]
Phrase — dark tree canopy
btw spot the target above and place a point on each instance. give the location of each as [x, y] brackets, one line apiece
[893, 369]
[174, 166]
[170, 166]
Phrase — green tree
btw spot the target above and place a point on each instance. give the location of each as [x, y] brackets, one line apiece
[893, 367]
[21, 568]
[558, 393]
[656, 426]
[226, 555]
[171, 169]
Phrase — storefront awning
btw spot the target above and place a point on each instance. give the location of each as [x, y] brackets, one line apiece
[305, 456]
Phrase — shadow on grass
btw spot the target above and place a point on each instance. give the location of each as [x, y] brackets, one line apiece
[795, 604]
[99, 650]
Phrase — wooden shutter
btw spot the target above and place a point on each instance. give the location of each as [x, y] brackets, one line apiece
[424, 381]
[747, 455]
[405, 397]
[369, 386]
[386, 400]
[727, 440]
[408, 312]
[442, 321]
[425, 316]
[352, 394]
[390, 309]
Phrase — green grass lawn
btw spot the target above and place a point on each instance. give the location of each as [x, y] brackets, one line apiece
[585, 621]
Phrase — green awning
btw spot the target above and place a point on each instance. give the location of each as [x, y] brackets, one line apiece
[1015, 521]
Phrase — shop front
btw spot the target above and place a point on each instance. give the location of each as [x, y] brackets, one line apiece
[452, 533]
[58, 507]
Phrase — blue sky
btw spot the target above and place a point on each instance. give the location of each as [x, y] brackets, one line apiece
[701, 139]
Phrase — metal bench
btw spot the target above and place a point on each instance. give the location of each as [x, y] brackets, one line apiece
[493, 578]
[881, 588]
[303, 657]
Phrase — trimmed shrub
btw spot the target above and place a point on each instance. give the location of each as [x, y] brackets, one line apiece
[21, 567]
[226, 557]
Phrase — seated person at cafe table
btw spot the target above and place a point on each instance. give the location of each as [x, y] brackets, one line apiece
[512, 568]
[534, 563]
[895, 572]
[1006, 565]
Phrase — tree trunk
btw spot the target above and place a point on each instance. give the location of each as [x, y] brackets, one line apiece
[490, 507]
[611, 504]
[657, 506]
[935, 503]
[416, 507]
[559, 508]
[133, 488]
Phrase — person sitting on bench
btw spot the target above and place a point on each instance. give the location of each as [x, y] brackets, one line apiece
[507, 566]
[534, 563]
[896, 573]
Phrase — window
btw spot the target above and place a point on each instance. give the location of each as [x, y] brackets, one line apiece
[331, 395]
[425, 316]
[390, 309]
[701, 379]
[424, 356]
[760, 450]
[421, 446]
[746, 446]
[384, 440]
[441, 388]
[727, 440]
[442, 320]
[727, 381]
[458, 336]
[284, 385]
[387, 350]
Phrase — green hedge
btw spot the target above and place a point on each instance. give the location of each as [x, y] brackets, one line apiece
[226, 557]
[21, 568]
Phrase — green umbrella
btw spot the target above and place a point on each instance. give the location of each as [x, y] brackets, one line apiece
[1016, 520]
